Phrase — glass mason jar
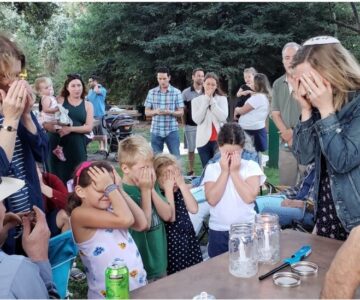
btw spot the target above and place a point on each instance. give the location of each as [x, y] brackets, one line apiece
[243, 253]
[268, 234]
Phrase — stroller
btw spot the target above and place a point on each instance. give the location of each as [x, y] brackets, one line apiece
[118, 128]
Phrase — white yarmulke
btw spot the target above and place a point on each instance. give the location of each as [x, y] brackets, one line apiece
[9, 186]
[321, 40]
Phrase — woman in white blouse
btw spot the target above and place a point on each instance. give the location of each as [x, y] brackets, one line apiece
[255, 111]
[209, 112]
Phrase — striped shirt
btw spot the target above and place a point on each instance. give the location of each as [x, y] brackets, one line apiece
[20, 200]
[170, 100]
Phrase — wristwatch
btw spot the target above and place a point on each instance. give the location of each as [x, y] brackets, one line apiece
[8, 128]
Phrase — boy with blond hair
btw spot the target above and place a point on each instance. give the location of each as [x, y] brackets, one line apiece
[136, 162]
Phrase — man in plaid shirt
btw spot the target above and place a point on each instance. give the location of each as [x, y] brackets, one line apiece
[164, 104]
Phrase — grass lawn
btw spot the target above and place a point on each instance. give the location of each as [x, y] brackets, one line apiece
[79, 289]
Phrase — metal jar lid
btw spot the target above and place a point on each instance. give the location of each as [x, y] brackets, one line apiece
[286, 279]
[304, 268]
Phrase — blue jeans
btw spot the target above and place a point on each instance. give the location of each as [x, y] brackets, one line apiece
[172, 141]
[288, 214]
[218, 242]
[207, 152]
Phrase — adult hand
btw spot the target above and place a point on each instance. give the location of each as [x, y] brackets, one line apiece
[36, 241]
[13, 102]
[209, 90]
[235, 161]
[65, 130]
[30, 100]
[300, 95]
[343, 276]
[101, 178]
[319, 92]
[287, 135]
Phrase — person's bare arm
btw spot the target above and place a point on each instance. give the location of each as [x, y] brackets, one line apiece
[343, 276]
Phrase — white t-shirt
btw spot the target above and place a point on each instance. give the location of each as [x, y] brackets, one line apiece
[231, 208]
[255, 119]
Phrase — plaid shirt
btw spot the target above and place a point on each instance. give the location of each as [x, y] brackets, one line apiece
[304, 190]
[170, 100]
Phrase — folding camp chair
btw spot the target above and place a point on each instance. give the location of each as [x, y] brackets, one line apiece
[62, 253]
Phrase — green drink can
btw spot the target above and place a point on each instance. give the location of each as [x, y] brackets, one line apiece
[117, 280]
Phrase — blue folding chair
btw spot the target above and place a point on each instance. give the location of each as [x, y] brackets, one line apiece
[62, 253]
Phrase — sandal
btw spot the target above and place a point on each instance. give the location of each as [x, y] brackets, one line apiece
[76, 274]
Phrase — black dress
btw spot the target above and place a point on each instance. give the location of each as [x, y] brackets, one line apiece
[327, 221]
[183, 246]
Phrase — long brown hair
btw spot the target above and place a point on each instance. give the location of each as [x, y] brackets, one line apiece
[336, 64]
[262, 85]
[82, 178]
[218, 90]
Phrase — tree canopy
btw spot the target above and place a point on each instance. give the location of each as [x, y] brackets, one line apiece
[124, 42]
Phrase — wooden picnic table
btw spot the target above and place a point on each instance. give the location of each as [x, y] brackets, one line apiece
[213, 275]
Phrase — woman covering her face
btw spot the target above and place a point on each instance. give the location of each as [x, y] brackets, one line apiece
[22, 141]
[328, 89]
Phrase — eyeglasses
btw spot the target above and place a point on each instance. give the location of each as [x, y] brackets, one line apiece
[74, 76]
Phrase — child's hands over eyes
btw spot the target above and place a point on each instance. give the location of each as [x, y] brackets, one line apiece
[179, 178]
[118, 180]
[145, 181]
[235, 161]
[101, 178]
[169, 180]
[225, 161]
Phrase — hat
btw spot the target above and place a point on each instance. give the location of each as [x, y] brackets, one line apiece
[321, 40]
[9, 186]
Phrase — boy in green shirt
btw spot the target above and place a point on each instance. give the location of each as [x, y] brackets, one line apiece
[136, 162]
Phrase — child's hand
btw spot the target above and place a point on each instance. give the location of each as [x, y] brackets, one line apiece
[100, 177]
[153, 176]
[179, 178]
[169, 180]
[235, 162]
[144, 182]
[118, 180]
[225, 161]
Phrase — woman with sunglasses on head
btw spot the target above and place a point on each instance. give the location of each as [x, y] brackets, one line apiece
[22, 141]
[328, 89]
[73, 137]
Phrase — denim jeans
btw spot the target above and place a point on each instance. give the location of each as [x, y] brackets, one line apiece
[207, 152]
[172, 141]
[288, 214]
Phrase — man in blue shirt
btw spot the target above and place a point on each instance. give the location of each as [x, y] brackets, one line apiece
[97, 96]
[164, 104]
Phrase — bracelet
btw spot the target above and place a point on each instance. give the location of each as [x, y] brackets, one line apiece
[110, 188]
[8, 128]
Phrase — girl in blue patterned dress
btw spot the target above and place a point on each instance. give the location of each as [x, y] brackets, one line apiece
[183, 246]
[101, 213]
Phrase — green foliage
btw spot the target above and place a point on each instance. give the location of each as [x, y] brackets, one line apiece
[124, 42]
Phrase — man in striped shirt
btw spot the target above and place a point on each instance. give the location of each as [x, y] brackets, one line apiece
[164, 104]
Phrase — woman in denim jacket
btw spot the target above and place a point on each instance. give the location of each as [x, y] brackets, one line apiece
[328, 89]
